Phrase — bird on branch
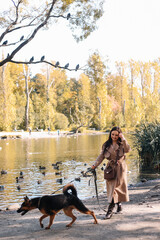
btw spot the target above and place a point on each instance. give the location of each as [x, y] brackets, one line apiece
[66, 66]
[32, 59]
[5, 43]
[21, 38]
[68, 16]
[77, 67]
[42, 58]
[57, 64]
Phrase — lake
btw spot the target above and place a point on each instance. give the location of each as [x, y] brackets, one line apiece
[76, 154]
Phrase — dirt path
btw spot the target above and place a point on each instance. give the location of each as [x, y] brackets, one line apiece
[140, 220]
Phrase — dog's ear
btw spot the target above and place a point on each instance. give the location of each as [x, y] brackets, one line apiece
[26, 199]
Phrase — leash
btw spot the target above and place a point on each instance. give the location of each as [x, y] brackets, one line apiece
[96, 188]
[95, 184]
[89, 170]
[93, 171]
[62, 187]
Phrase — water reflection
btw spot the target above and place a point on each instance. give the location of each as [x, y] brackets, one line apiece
[75, 153]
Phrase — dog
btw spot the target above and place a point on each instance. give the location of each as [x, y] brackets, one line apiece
[50, 205]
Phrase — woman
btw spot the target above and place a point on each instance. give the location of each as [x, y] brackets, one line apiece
[114, 150]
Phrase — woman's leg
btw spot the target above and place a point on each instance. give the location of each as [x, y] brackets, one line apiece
[110, 210]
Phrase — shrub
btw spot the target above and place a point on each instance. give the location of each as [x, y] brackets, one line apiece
[147, 142]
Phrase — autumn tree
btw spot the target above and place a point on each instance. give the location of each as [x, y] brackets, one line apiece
[86, 107]
[156, 76]
[82, 113]
[71, 104]
[97, 75]
[113, 91]
[7, 99]
[49, 95]
[134, 70]
[133, 99]
[38, 112]
[57, 92]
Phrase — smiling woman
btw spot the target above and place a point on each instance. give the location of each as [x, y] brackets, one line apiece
[114, 150]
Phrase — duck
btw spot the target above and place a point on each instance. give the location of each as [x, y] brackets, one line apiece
[18, 188]
[56, 167]
[59, 162]
[42, 167]
[1, 187]
[59, 180]
[3, 172]
[55, 164]
[58, 173]
[19, 179]
[78, 179]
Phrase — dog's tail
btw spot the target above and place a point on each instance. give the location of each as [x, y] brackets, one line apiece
[70, 187]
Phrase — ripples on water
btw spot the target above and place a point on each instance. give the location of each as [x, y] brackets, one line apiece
[75, 153]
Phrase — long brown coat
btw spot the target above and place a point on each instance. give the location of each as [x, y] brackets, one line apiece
[116, 189]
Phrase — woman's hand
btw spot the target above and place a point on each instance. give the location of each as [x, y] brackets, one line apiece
[118, 163]
[121, 136]
[93, 167]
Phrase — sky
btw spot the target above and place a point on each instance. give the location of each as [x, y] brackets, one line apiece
[129, 29]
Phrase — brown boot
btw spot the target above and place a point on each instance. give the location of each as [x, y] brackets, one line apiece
[119, 207]
[110, 211]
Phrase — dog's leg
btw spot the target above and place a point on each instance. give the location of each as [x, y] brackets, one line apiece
[41, 218]
[68, 212]
[51, 220]
[78, 204]
[87, 211]
[93, 215]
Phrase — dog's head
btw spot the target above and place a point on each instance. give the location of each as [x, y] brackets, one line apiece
[25, 207]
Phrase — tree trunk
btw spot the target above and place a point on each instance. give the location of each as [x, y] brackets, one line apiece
[27, 98]
[4, 94]
[100, 106]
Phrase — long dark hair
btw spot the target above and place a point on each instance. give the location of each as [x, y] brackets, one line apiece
[107, 144]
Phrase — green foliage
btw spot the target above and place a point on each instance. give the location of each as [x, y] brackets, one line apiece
[147, 142]
[87, 13]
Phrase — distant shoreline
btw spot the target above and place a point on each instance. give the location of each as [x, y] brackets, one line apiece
[43, 134]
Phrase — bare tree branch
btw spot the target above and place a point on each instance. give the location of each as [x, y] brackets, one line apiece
[8, 59]
[53, 65]
[13, 23]
[38, 18]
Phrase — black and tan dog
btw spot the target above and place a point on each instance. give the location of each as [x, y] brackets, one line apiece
[50, 205]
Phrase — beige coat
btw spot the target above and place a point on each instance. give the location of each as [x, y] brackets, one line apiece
[116, 189]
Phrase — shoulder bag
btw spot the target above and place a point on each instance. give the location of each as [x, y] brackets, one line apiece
[110, 172]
